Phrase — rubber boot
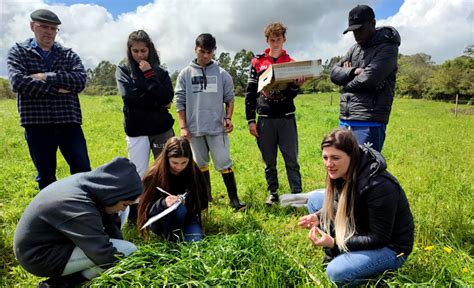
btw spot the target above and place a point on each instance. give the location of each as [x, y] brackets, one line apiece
[229, 181]
[207, 178]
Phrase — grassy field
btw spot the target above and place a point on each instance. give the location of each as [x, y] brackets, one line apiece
[429, 150]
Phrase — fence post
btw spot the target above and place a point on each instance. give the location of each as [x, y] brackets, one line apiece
[456, 106]
[330, 104]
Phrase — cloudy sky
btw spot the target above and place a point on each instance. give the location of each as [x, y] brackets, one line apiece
[98, 30]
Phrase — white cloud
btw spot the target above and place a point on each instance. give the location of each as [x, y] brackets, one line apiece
[441, 28]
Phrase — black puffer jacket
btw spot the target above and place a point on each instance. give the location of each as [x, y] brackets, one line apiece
[369, 96]
[145, 100]
[382, 213]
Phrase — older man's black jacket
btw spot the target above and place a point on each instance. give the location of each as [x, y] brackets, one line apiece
[369, 96]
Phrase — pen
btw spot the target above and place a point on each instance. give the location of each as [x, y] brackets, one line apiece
[167, 193]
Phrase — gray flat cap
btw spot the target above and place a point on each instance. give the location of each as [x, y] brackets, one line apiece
[44, 15]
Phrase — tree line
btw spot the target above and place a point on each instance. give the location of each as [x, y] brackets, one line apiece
[418, 77]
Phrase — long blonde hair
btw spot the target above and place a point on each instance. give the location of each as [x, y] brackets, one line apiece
[342, 216]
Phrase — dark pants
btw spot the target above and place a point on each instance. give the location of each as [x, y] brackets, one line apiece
[372, 135]
[43, 142]
[280, 133]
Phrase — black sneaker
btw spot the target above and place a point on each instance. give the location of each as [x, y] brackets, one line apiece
[272, 199]
[239, 207]
[68, 281]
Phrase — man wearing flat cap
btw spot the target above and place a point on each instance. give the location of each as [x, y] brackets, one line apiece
[367, 74]
[47, 78]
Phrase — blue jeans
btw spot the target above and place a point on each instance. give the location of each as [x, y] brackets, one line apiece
[43, 142]
[187, 223]
[316, 200]
[356, 266]
[373, 135]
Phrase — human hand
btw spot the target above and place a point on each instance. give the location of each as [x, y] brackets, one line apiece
[185, 133]
[347, 64]
[253, 129]
[62, 91]
[144, 65]
[228, 126]
[171, 199]
[359, 71]
[300, 80]
[308, 221]
[320, 238]
[39, 76]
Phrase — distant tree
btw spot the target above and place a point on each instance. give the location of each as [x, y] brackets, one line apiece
[102, 80]
[103, 74]
[453, 77]
[225, 61]
[5, 89]
[469, 51]
[328, 64]
[413, 74]
[239, 70]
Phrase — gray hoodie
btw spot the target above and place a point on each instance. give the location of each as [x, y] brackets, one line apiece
[70, 213]
[201, 92]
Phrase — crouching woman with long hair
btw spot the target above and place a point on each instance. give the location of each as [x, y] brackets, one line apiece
[365, 224]
[175, 172]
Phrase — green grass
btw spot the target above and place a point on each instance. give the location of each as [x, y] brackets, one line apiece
[429, 150]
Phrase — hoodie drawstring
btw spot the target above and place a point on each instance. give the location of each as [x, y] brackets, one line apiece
[203, 69]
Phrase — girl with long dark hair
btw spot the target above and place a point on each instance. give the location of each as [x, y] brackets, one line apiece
[147, 93]
[175, 172]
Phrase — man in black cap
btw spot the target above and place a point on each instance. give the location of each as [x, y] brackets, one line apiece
[367, 74]
[47, 78]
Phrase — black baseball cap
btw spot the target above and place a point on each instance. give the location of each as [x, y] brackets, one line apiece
[44, 15]
[358, 16]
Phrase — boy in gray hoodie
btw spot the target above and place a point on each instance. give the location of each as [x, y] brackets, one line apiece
[71, 228]
[201, 90]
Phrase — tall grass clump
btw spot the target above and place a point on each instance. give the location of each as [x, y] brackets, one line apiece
[244, 259]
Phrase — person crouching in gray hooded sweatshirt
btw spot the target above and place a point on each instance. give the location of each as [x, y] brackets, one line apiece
[71, 228]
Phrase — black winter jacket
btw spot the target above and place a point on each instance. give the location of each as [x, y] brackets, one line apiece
[146, 100]
[382, 214]
[369, 96]
[69, 213]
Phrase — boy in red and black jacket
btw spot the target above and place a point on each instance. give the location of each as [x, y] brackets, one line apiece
[276, 125]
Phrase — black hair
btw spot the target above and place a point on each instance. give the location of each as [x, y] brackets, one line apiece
[142, 36]
[206, 41]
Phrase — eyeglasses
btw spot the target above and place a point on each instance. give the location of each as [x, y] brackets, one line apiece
[47, 27]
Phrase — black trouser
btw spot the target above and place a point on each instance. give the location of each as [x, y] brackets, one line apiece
[280, 133]
[43, 142]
